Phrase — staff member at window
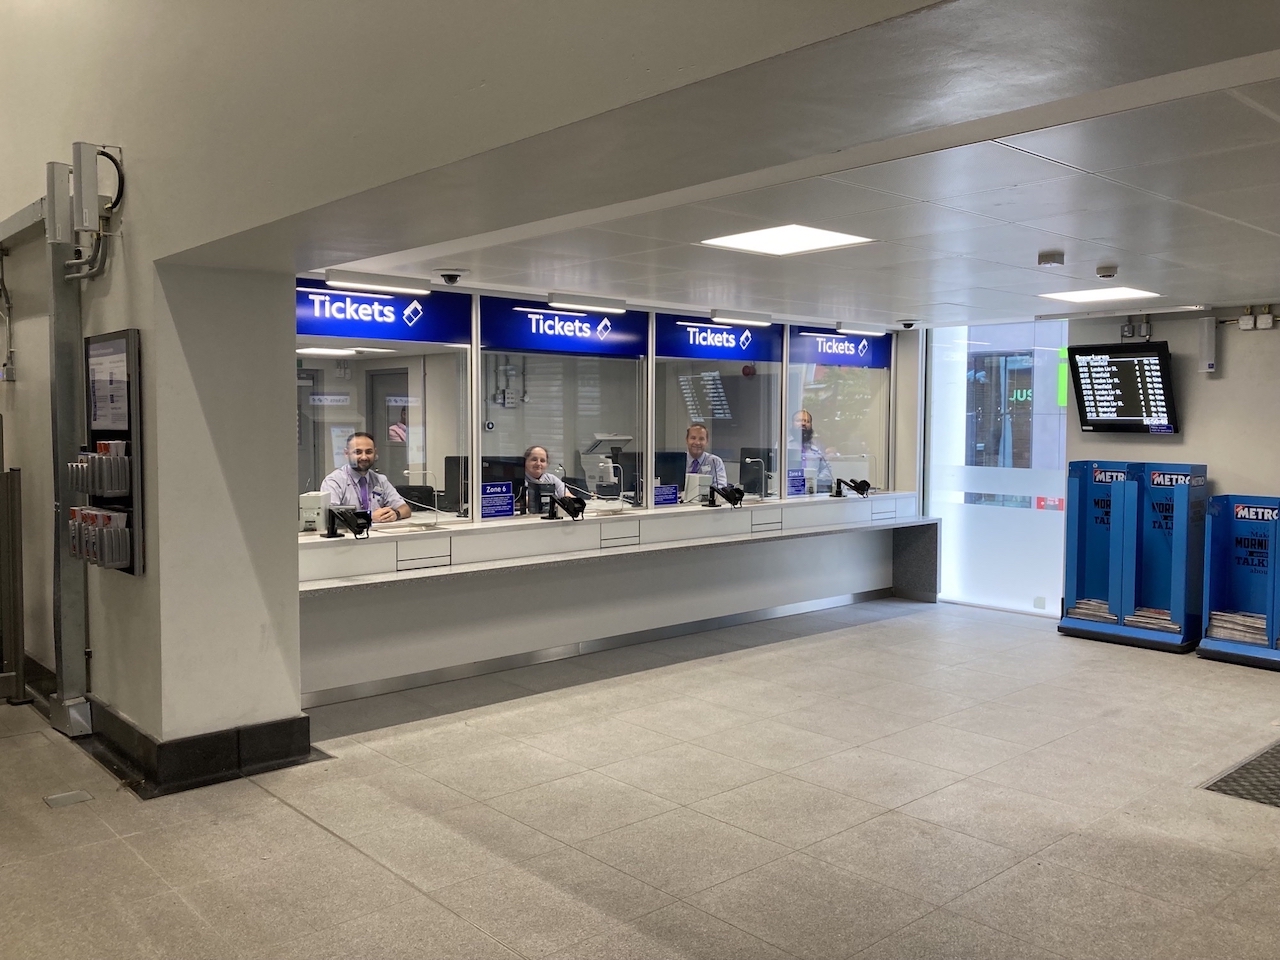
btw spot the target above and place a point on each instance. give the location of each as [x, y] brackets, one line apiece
[699, 460]
[357, 484]
[535, 472]
[803, 452]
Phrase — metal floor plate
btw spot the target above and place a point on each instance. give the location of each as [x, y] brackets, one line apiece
[1257, 779]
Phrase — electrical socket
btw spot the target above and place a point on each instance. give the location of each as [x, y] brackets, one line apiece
[8, 373]
[1246, 321]
[1265, 321]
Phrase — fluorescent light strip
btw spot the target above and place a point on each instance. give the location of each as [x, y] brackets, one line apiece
[352, 280]
[1100, 296]
[786, 241]
[375, 296]
[570, 301]
[563, 313]
[324, 352]
[741, 318]
[858, 332]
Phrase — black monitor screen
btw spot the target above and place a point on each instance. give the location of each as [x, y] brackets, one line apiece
[1124, 387]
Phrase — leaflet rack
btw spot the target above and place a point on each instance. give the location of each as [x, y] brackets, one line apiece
[1240, 581]
[107, 531]
[1150, 559]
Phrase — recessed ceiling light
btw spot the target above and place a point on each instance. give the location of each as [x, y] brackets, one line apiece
[351, 280]
[325, 352]
[1100, 296]
[860, 331]
[741, 318]
[573, 301]
[786, 241]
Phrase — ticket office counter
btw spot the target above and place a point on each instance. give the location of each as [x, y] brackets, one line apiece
[412, 605]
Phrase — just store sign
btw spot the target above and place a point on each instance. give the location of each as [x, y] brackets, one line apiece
[324, 311]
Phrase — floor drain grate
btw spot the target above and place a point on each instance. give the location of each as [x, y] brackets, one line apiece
[1257, 779]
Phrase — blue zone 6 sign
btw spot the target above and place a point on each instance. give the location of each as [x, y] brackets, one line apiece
[522, 326]
[691, 338]
[831, 349]
[324, 311]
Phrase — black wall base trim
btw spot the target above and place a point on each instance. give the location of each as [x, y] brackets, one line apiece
[154, 768]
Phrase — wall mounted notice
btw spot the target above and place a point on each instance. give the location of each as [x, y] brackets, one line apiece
[108, 385]
[666, 495]
[496, 500]
[795, 482]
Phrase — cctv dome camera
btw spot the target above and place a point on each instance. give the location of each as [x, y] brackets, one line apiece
[452, 275]
[1107, 272]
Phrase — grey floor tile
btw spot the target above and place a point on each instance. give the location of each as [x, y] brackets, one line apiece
[455, 845]
[874, 661]
[970, 683]
[409, 930]
[773, 745]
[158, 927]
[675, 932]
[126, 814]
[418, 743]
[497, 770]
[910, 700]
[811, 909]
[943, 934]
[1256, 902]
[281, 900]
[854, 723]
[760, 698]
[537, 714]
[581, 806]
[685, 718]
[194, 851]
[550, 902]
[15, 720]
[1158, 864]
[682, 851]
[349, 759]
[1070, 778]
[30, 828]
[62, 885]
[1011, 818]
[1015, 724]
[468, 693]
[599, 741]
[792, 812]
[876, 777]
[820, 677]
[621, 661]
[923, 859]
[685, 773]
[553, 675]
[1017, 664]
[370, 713]
[1072, 914]
[1064, 702]
[949, 748]
[938, 651]
[388, 799]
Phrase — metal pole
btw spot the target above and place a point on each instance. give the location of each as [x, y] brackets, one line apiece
[15, 652]
[67, 706]
[650, 411]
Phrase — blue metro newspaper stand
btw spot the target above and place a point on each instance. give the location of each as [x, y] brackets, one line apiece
[1240, 581]
[1134, 553]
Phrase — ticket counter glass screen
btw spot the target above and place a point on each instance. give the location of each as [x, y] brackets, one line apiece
[412, 397]
[838, 422]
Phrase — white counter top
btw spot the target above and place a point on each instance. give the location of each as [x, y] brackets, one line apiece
[409, 550]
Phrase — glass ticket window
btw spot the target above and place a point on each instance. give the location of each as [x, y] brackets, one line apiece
[367, 369]
[567, 387]
[838, 407]
[716, 390]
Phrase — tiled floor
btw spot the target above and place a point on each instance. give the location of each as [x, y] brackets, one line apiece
[883, 781]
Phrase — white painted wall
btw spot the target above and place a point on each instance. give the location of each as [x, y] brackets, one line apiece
[1228, 419]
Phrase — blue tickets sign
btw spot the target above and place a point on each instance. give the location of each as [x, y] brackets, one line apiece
[692, 338]
[496, 500]
[666, 495]
[528, 327]
[828, 348]
[324, 311]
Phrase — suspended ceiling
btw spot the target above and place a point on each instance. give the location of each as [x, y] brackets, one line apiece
[1182, 197]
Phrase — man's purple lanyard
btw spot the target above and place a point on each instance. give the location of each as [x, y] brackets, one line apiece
[364, 493]
[693, 467]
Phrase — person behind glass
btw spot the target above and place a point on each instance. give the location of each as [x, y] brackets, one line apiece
[804, 453]
[357, 484]
[537, 474]
[699, 460]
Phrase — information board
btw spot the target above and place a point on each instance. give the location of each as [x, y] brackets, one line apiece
[109, 384]
[438, 317]
[496, 500]
[1124, 387]
[704, 396]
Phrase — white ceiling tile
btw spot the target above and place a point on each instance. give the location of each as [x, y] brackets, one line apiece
[1165, 131]
[1253, 205]
[871, 256]
[1266, 95]
[805, 201]
[692, 223]
[1143, 228]
[1225, 169]
[955, 172]
[586, 243]
[1012, 244]
[909, 220]
[1034, 201]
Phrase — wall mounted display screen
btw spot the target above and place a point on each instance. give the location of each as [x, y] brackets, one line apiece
[1124, 387]
[705, 397]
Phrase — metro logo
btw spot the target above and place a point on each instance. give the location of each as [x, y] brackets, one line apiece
[1161, 478]
[1246, 511]
[1107, 476]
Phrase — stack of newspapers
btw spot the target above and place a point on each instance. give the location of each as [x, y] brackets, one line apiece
[1152, 618]
[1092, 610]
[1243, 627]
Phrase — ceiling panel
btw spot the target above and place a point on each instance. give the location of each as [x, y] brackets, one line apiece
[1252, 205]
[1035, 201]
[587, 243]
[1266, 95]
[1011, 244]
[692, 223]
[909, 220]
[1166, 131]
[1144, 229]
[956, 172]
[1243, 167]
[804, 201]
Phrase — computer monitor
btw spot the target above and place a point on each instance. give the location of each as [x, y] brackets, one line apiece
[500, 469]
[456, 477]
[751, 475]
[669, 467]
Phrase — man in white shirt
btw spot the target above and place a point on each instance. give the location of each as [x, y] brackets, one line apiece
[357, 484]
[699, 460]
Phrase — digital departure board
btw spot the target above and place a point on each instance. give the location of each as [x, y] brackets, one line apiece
[1123, 387]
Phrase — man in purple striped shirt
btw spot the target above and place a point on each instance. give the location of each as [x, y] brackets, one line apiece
[357, 484]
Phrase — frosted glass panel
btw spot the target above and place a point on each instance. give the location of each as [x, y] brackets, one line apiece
[996, 471]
